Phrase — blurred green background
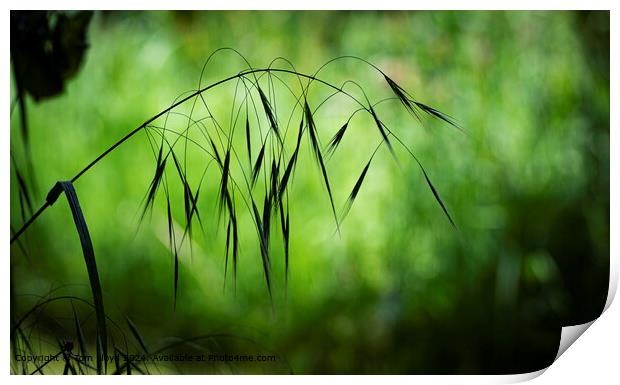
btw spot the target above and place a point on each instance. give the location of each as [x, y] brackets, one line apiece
[400, 291]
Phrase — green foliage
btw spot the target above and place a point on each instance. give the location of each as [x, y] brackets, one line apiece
[398, 291]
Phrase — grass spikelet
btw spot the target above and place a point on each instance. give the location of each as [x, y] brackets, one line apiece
[215, 152]
[355, 191]
[319, 157]
[382, 131]
[176, 277]
[235, 252]
[436, 195]
[439, 115]
[170, 223]
[300, 134]
[335, 141]
[159, 172]
[402, 95]
[266, 219]
[275, 173]
[235, 236]
[248, 139]
[189, 200]
[258, 164]
[291, 164]
[226, 251]
[278, 176]
[287, 175]
[263, 246]
[284, 223]
[270, 115]
[224, 182]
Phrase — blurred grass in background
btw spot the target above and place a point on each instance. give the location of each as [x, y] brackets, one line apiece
[400, 291]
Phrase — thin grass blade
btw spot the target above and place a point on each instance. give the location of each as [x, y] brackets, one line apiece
[136, 334]
[79, 333]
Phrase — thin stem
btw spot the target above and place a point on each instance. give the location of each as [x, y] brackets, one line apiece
[139, 128]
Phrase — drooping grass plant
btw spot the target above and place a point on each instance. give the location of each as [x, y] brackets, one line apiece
[254, 164]
[130, 353]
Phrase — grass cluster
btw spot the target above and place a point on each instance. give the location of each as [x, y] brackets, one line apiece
[252, 161]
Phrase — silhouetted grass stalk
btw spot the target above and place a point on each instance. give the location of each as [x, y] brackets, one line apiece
[272, 161]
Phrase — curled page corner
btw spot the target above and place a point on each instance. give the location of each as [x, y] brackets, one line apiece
[570, 334]
[523, 377]
[614, 273]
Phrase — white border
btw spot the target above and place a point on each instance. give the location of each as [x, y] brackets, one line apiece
[595, 355]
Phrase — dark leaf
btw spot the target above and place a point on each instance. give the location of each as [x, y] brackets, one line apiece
[89, 258]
